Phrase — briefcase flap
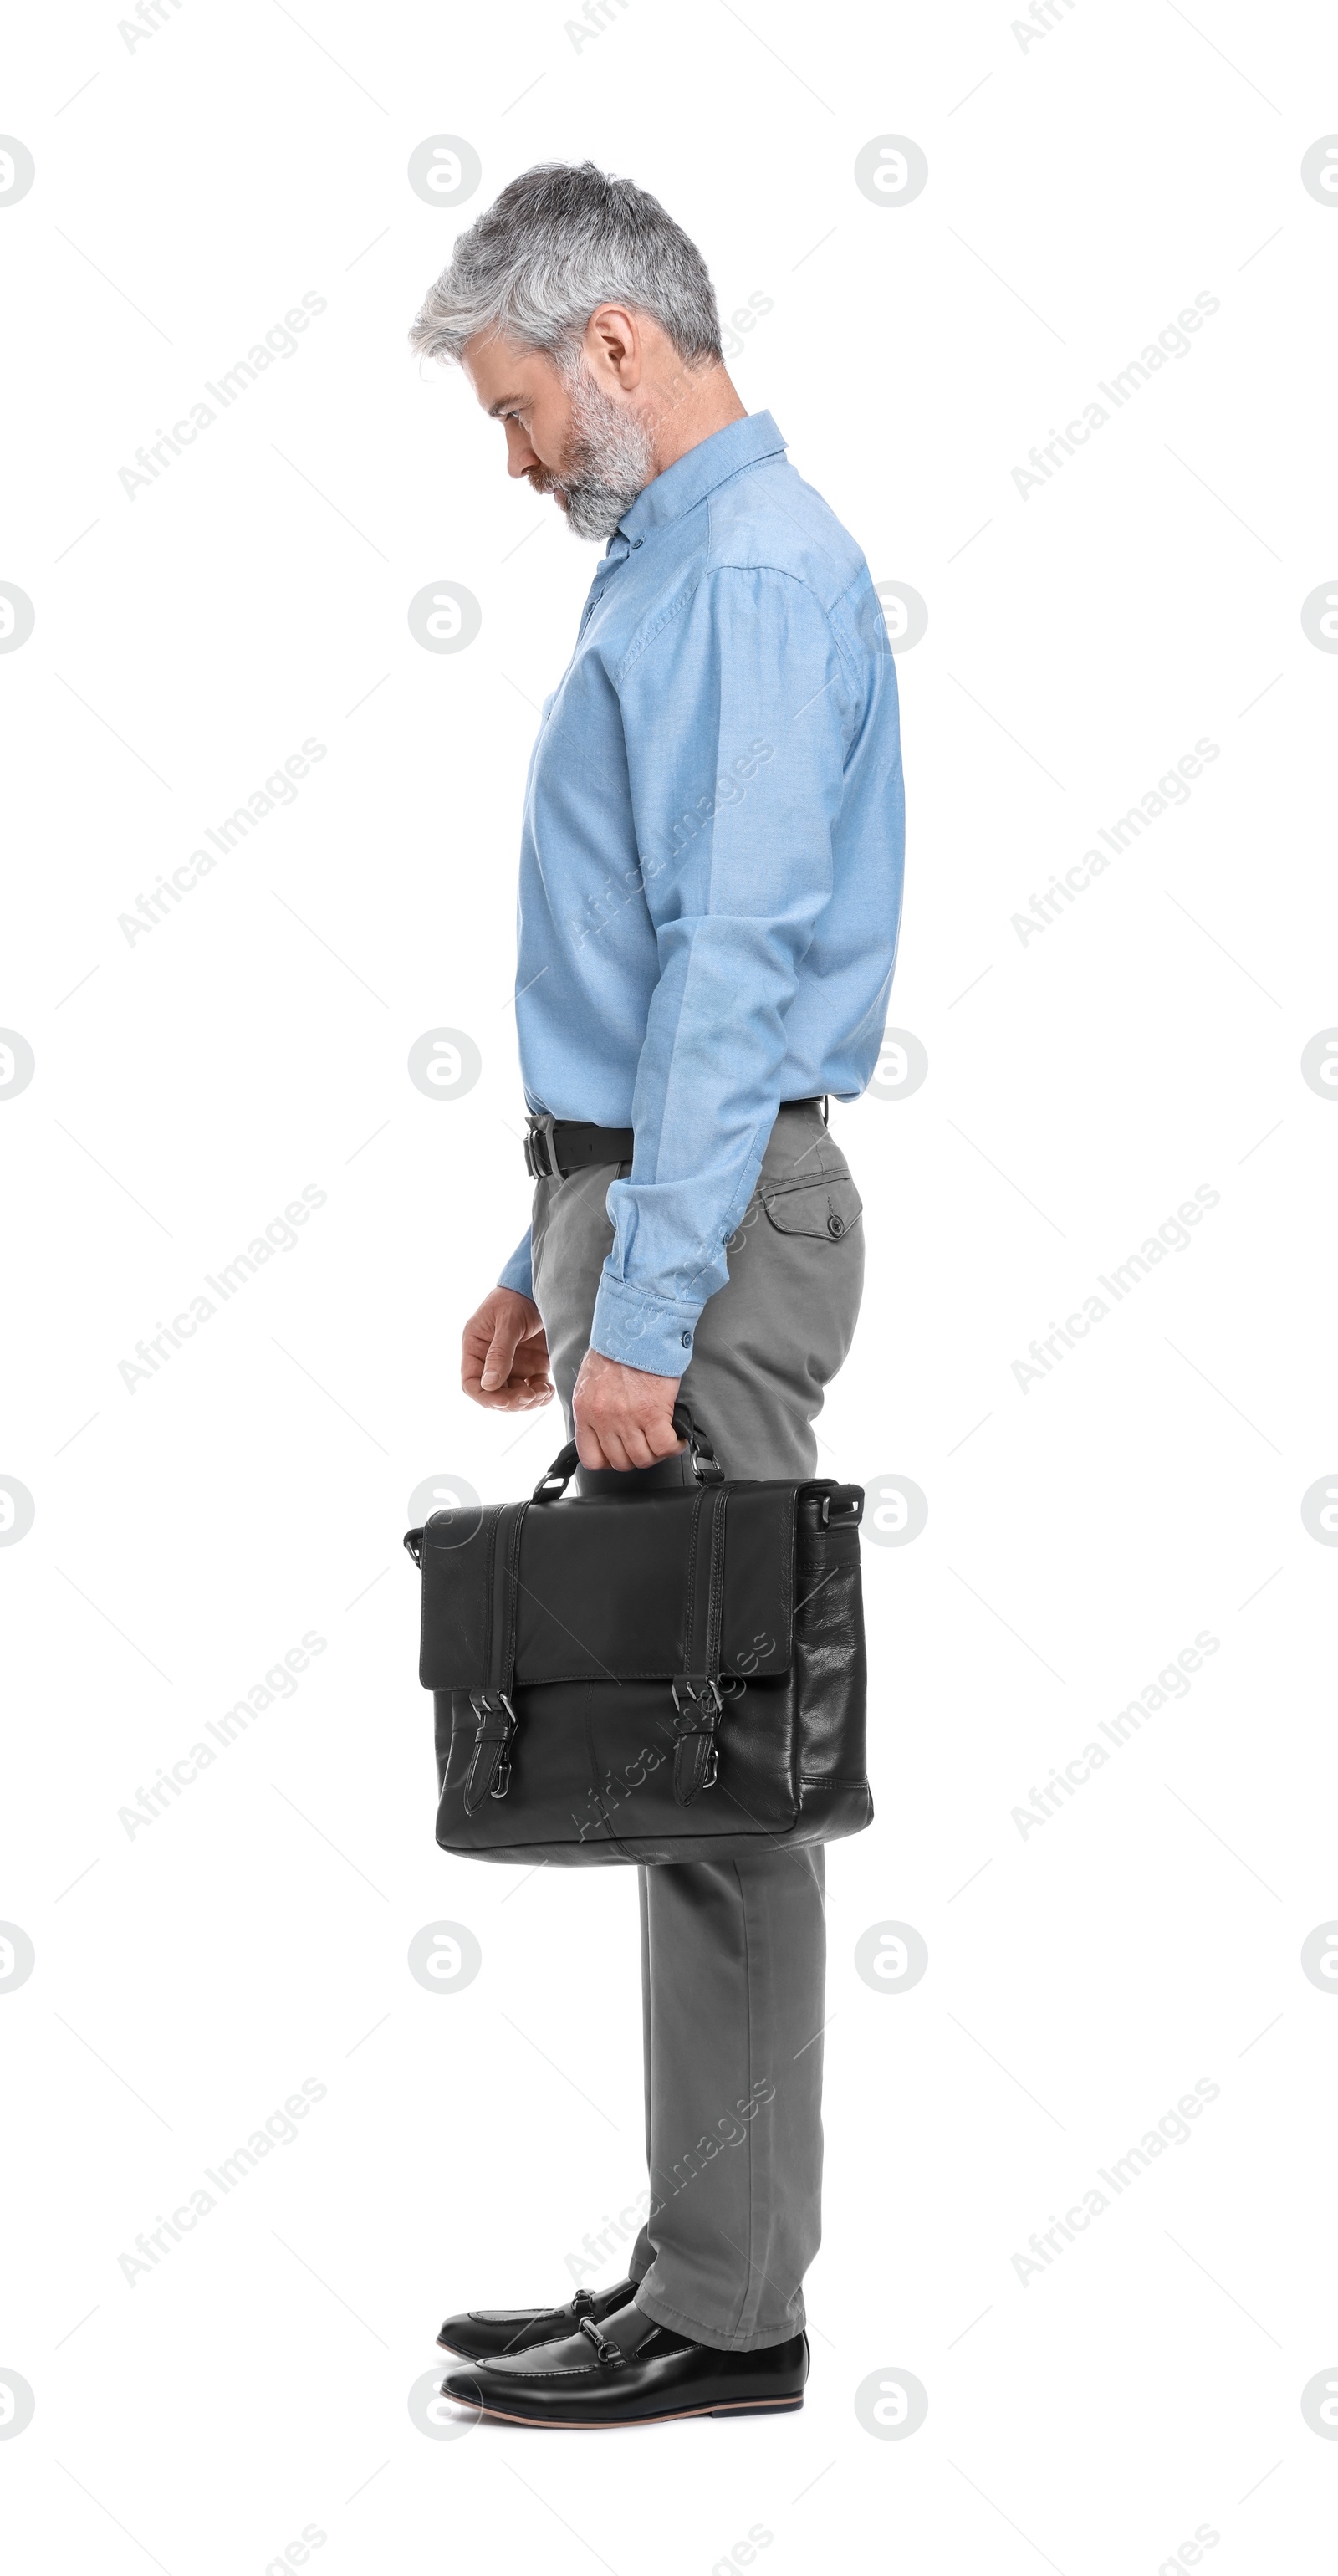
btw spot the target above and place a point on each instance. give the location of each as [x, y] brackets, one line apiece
[602, 1588]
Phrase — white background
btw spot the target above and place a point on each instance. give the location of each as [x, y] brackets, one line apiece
[1082, 190]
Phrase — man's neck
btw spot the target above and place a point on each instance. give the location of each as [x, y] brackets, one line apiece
[688, 408]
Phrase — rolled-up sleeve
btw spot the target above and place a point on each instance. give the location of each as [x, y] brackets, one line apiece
[737, 715]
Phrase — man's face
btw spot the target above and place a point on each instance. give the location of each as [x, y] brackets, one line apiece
[563, 432]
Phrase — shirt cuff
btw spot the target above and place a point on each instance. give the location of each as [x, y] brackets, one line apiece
[519, 1271]
[642, 1330]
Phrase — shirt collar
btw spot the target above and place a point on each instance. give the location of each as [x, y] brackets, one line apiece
[711, 462]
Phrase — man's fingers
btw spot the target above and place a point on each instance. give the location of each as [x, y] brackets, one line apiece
[517, 1395]
[503, 1353]
[625, 1448]
[625, 1444]
[497, 1364]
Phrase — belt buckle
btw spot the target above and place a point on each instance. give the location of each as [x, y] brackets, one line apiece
[538, 1162]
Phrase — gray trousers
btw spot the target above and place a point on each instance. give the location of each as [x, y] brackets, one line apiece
[732, 1952]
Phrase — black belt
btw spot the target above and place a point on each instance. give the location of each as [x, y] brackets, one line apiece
[574, 1145]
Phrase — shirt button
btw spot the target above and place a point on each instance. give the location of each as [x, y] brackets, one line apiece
[687, 1341]
[836, 1225]
[637, 541]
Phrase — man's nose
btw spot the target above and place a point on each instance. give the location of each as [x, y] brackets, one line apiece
[520, 456]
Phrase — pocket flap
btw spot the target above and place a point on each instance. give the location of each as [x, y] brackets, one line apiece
[815, 1207]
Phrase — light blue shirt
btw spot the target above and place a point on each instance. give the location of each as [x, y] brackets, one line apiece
[711, 863]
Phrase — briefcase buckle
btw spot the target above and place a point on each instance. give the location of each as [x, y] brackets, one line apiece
[495, 1704]
[698, 1701]
[698, 1690]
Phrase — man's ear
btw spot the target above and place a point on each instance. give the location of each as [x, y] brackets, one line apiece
[613, 347]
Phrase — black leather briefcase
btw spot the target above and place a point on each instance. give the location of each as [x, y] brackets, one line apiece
[651, 1675]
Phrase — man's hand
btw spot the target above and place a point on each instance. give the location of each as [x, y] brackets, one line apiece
[623, 1415]
[504, 1355]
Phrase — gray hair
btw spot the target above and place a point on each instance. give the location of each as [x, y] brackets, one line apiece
[558, 242]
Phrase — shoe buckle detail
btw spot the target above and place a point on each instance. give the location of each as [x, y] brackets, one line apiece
[607, 2352]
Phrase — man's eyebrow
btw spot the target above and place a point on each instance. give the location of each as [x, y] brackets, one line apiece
[495, 410]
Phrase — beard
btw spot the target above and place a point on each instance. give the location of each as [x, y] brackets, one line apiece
[606, 463]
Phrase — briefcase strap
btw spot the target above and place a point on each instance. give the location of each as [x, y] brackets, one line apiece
[696, 1689]
[495, 1719]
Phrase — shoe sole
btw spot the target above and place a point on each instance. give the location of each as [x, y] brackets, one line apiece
[633, 2423]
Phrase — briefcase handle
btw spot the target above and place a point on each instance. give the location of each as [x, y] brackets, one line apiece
[706, 1466]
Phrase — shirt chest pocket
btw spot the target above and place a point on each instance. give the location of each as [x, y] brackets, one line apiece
[831, 1208]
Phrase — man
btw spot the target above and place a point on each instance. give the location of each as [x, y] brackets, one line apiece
[710, 890]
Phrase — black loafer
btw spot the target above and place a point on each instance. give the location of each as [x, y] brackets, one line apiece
[631, 2371]
[487, 2333]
